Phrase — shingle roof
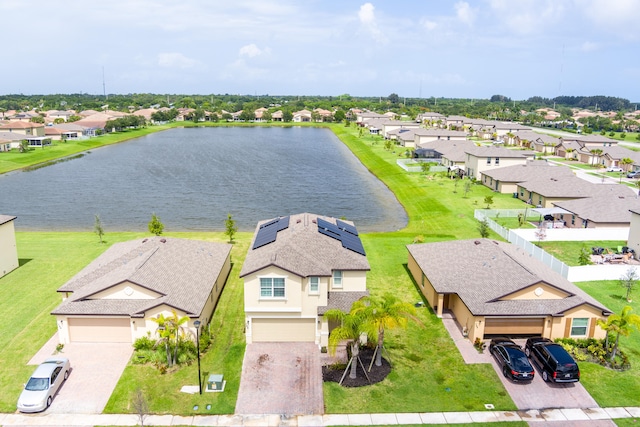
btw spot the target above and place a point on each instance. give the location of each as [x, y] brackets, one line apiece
[481, 272]
[302, 250]
[181, 271]
[532, 170]
[341, 301]
[492, 151]
[6, 218]
[603, 208]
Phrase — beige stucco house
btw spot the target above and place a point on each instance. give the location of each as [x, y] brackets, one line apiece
[506, 179]
[484, 158]
[297, 268]
[8, 248]
[495, 288]
[116, 296]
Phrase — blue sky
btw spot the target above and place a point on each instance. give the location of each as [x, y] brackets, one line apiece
[418, 48]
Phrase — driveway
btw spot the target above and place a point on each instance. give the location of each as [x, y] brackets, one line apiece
[541, 395]
[95, 371]
[281, 378]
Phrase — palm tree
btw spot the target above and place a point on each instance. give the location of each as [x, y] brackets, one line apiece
[625, 163]
[176, 324]
[352, 326]
[620, 324]
[595, 154]
[386, 312]
[164, 332]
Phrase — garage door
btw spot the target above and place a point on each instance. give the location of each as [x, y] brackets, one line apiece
[99, 330]
[502, 326]
[283, 330]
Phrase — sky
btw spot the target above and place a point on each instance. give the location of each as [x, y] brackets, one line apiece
[413, 48]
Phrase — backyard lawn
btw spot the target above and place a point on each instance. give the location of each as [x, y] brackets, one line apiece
[428, 372]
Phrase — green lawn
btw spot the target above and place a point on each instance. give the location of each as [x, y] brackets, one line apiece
[428, 374]
[568, 252]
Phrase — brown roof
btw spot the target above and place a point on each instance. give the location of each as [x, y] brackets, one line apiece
[482, 272]
[6, 218]
[21, 125]
[183, 272]
[303, 251]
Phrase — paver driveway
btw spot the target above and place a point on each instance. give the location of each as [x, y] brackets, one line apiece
[95, 371]
[281, 378]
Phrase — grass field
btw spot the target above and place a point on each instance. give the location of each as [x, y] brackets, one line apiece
[428, 374]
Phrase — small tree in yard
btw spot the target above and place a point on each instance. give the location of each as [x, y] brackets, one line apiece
[483, 228]
[140, 406]
[628, 281]
[97, 228]
[155, 226]
[230, 227]
[540, 233]
[488, 200]
[619, 324]
[584, 258]
[425, 167]
[467, 188]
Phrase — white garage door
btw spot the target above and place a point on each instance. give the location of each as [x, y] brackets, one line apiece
[506, 326]
[99, 330]
[283, 330]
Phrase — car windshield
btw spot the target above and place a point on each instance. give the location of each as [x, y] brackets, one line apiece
[37, 384]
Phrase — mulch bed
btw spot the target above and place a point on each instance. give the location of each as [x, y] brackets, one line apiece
[333, 373]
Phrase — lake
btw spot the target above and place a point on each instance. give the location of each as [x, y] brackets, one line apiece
[192, 177]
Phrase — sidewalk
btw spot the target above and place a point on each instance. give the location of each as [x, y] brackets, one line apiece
[563, 416]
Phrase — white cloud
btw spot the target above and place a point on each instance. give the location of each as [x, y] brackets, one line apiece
[464, 12]
[175, 60]
[589, 47]
[251, 51]
[527, 16]
[428, 24]
[367, 18]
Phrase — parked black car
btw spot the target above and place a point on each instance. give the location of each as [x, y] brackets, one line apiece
[554, 362]
[512, 359]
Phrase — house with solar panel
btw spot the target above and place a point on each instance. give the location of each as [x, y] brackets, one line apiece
[297, 268]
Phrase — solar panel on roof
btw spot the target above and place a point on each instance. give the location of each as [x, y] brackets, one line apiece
[267, 224]
[346, 227]
[268, 232]
[283, 223]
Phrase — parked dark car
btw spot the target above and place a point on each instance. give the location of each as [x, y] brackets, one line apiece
[512, 360]
[554, 362]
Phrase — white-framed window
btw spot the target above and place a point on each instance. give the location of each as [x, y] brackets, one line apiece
[337, 279]
[272, 287]
[579, 326]
[314, 284]
[488, 160]
[497, 161]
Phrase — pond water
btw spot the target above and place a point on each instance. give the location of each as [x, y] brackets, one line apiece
[192, 177]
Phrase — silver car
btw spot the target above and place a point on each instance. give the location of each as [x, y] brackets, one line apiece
[43, 385]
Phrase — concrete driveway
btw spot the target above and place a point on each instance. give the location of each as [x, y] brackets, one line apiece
[541, 395]
[95, 371]
[281, 378]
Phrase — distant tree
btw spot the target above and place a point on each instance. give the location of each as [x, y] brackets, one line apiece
[620, 324]
[584, 258]
[339, 116]
[425, 167]
[629, 280]
[155, 226]
[287, 116]
[74, 118]
[37, 119]
[266, 116]
[230, 227]
[24, 146]
[625, 162]
[467, 187]
[247, 115]
[483, 228]
[393, 98]
[197, 115]
[97, 227]
[58, 120]
[488, 200]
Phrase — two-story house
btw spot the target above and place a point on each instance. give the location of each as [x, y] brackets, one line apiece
[297, 268]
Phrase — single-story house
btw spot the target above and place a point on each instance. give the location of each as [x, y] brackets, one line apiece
[495, 288]
[426, 135]
[297, 268]
[392, 125]
[116, 296]
[506, 179]
[8, 248]
[608, 206]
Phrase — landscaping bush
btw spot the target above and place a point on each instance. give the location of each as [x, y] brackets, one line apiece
[144, 343]
[593, 350]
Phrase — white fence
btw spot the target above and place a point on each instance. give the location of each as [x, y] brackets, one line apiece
[523, 237]
[404, 164]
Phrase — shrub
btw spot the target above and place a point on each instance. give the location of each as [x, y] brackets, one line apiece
[144, 343]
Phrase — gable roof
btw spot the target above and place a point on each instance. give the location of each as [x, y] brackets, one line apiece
[492, 151]
[6, 218]
[182, 271]
[487, 271]
[532, 170]
[604, 207]
[302, 250]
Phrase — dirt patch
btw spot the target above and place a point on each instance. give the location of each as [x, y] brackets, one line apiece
[333, 373]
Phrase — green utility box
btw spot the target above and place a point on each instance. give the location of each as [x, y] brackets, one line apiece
[215, 382]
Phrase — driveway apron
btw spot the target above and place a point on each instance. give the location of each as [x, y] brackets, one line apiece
[95, 370]
[281, 378]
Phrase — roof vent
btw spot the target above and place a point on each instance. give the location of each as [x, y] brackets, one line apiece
[477, 242]
[163, 240]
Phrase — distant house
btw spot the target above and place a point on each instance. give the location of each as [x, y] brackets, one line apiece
[506, 179]
[483, 158]
[302, 116]
[8, 248]
[495, 288]
[426, 135]
[392, 125]
[605, 207]
[297, 268]
[66, 131]
[540, 142]
[116, 296]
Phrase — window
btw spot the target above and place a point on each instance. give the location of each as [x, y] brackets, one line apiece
[579, 327]
[272, 287]
[488, 160]
[497, 162]
[314, 285]
[337, 279]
